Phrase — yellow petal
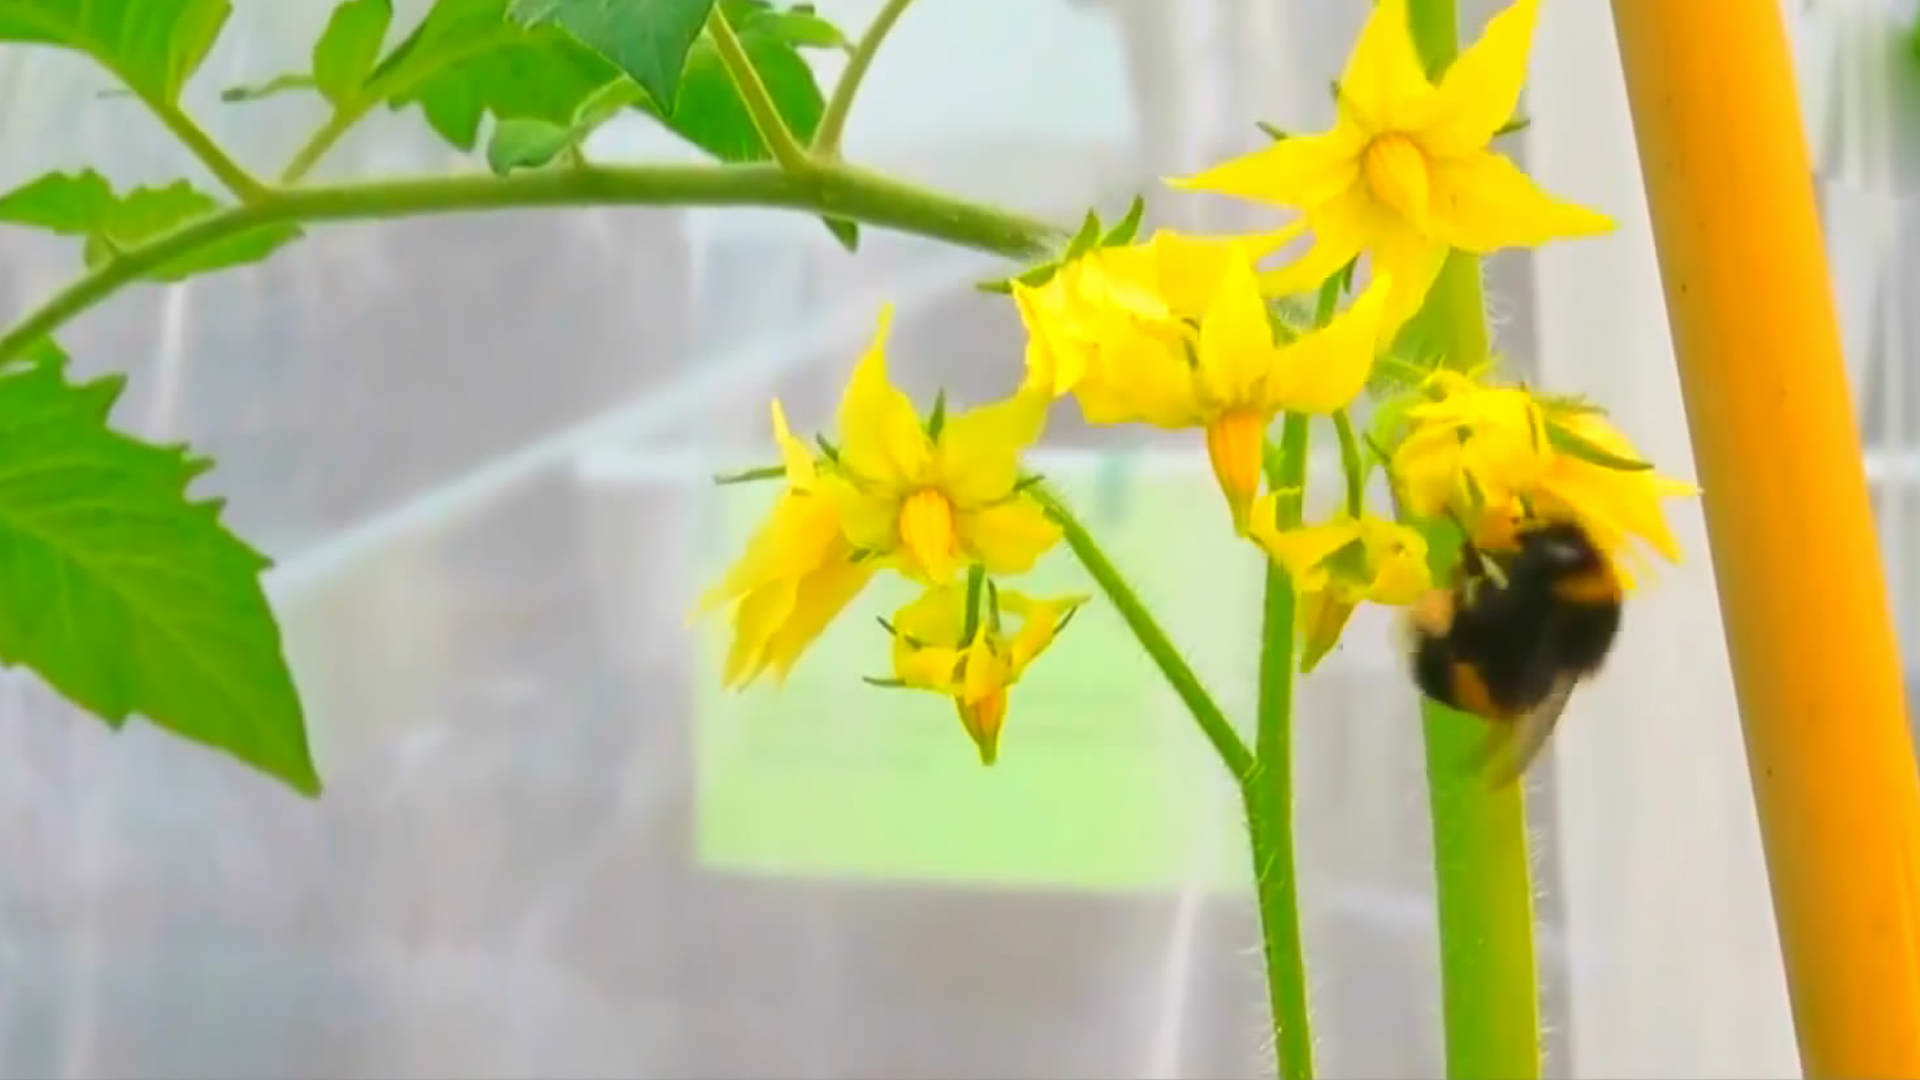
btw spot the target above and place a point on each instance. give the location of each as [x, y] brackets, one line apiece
[930, 667]
[1328, 367]
[1398, 556]
[1342, 229]
[1303, 551]
[796, 455]
[1322, 617]
[938, 616]
[1140, 380]
[1481, 88]
[977, 457]
[1041, 621]
[755, 621]
[1414, 262]
[1384, 84]
[869, 522]
[1055, 359]
[1236, 347]
[1296, 172]
[818, 599]
[1008, 537]
[789, 542]
[1483, 202]
[882, 441]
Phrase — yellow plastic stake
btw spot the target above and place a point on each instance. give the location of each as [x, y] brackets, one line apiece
[1729, 184]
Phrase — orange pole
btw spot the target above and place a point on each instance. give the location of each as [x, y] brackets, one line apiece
[1729, 184]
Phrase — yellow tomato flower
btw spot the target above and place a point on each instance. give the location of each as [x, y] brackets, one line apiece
[1472, 445]
[932, 503]
[1184, 340]
[1109, 308]
[1615, 506]
[1406, 172]
[797, 573]
[931, 651]
[1491, 454]
[1339, 564]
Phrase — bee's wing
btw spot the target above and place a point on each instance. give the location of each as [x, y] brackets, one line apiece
[1510, 748]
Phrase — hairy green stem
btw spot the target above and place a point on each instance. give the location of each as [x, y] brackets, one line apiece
[229, 172]
[832, 189]
[833, 120]
[774, 133]
[1269, 794]
[1206, 712]
[1488, 976]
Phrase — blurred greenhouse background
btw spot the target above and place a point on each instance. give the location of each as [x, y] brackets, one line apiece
[478, 447]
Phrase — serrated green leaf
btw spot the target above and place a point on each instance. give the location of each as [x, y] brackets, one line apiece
[463, 61]
[648, 39]
[348, 49]
[1575, 446]
[83, 204]
[466, 60]
[154, 46]
[279, 84]
[124, 593]
[1128, 227]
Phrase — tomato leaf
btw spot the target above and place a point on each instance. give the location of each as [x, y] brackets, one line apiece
[153, 46]
[126, 594]
[348, 49]
[83, 204]
[647, 39]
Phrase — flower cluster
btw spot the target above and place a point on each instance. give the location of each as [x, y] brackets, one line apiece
[1209, 333]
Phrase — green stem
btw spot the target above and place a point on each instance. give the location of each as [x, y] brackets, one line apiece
[316, 147]
[1269, 794]
[1489, 980]
[1206, 712]
[1350, 463]
[833, 121]
[837, 190]
[195, 138]
[774, 133]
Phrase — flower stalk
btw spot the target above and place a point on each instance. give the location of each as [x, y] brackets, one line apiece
[1146, 629]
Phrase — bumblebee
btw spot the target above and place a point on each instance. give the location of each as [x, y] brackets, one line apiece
[1526, 617]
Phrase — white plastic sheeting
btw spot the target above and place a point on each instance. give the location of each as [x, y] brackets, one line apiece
[549, 847]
